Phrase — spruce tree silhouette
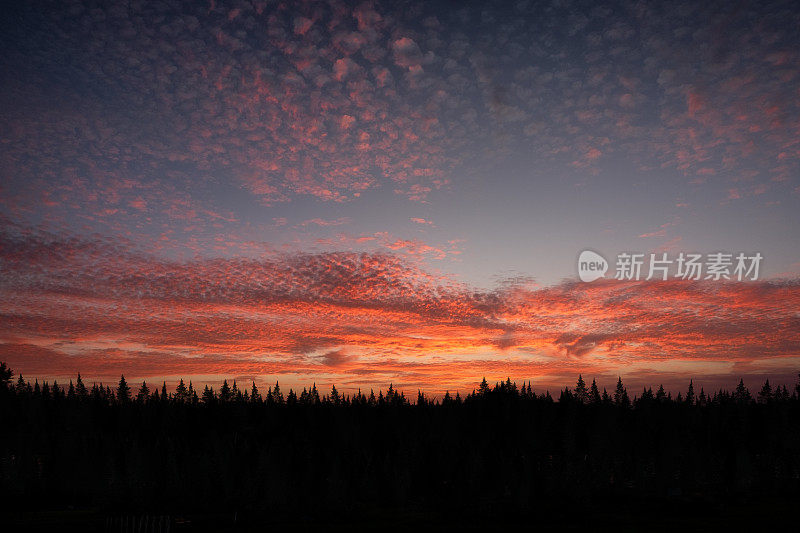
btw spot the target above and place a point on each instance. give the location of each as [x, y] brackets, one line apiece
[21, 386]
[420, 398]
[208, 397]
[255, 396]
[225, 392]
[181, 393]
[581, 393]
[277, 395]
[621, 395]
[123, 391]
[483, 389]
[594, 393]
[56, 391]
[80, 388]
[5, 377]
[335, 399]
[647, 395]
[236, 394]
[765, 394]
[741, 394]
[192, 394]
[379, 454]
[661, 395]
[144, 393]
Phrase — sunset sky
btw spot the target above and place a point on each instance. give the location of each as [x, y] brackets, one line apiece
[365, 193]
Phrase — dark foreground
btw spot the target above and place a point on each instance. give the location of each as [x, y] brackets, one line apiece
[106, 461]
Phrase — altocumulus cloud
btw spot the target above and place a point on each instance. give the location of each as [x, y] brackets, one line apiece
[93, 305]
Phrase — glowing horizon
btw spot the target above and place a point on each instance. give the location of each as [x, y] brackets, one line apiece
[379, 193]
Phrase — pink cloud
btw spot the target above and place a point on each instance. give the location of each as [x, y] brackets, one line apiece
[326, 223]
[92, 306]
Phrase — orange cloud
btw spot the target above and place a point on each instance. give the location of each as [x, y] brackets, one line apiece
[359, 319]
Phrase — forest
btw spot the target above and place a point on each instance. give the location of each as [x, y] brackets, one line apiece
[138, 457]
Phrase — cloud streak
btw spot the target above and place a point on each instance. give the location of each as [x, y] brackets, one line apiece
[365, 318]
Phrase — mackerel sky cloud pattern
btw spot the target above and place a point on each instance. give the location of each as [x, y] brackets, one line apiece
[365, 191]
[99, 307]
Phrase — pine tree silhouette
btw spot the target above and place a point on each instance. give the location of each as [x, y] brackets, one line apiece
[144, 393]
[208, 395]
[420, 398]
[193, 399]
[291, 398]
[785, 394]
[742, 395]
[411, 445]
[391, 394]
[181, 392]
[313, 395]
[123, 391]
[335, 399]
[80, 388]
[581, 393]
[22, 386]
[255, 396]
[765, 394]
[5, 377]
[56, 392]
[621, 395]
[594, 393]
[661, 395]
[277, 395]
[647, 396]
[225, 392]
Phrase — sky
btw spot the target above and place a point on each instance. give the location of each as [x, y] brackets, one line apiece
[365, 193]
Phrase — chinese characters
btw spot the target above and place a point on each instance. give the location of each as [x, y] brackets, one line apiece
[688, 266]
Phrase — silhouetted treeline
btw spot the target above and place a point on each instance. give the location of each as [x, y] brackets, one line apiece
[504, 450]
